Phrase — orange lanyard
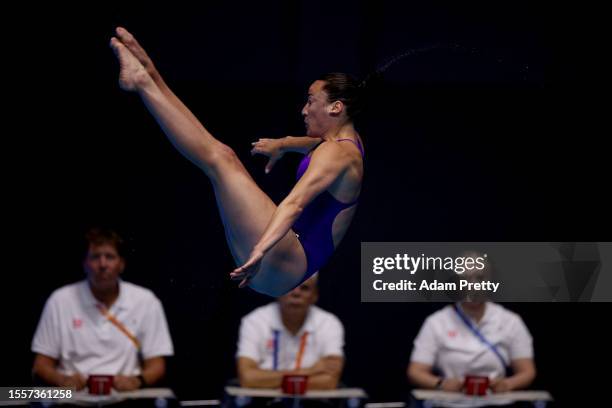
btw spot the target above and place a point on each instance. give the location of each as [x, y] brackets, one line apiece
[118, 324]
[300, 354]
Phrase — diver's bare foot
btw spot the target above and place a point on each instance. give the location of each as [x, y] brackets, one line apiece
[132, 75]
[136, 49]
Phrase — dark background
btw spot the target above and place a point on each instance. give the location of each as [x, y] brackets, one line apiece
[491, 142]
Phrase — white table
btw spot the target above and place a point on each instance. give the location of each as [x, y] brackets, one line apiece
[349, 394]
[342, 393]
[436, 398]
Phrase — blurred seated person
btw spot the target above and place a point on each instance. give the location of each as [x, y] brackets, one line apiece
[291, 336]
[473, 337]
[102, 325]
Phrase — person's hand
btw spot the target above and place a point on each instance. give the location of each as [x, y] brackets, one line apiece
[271, 148]
[500, 385]
[77, 381]
[318, 368]
[250, 268]
[126, 382]
[452, 384]
[332, 365]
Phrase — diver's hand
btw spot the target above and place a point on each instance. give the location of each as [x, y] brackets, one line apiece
[272, 148]
[250, 268]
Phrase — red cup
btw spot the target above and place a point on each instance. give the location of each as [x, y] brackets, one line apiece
[100, 384]
[476, 385]
[295, 384]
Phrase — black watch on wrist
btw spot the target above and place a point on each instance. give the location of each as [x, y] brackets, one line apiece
[142, 381]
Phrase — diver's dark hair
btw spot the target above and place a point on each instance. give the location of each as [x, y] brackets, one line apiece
[355, 93]
[345, 88]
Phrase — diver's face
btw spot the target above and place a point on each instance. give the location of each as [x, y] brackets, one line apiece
[316, 112]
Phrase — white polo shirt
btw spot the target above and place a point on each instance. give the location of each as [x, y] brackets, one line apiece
[73, 330]
[325, 337]
[446, 342]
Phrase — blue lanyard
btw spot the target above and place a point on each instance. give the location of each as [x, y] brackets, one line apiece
[275, 356]
[479, 335]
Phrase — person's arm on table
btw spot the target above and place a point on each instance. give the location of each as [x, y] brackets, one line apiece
[45, 368]
[251, 376]
[421, 375]
[524, 373]
[325, 374]
[153, 371]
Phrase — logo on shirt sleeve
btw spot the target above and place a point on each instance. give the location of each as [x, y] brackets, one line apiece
[77, 323]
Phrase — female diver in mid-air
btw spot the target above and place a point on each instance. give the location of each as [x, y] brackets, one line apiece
[276, 247]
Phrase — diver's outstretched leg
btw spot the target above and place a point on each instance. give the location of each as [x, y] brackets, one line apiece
[141, 55]
[245, 209]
